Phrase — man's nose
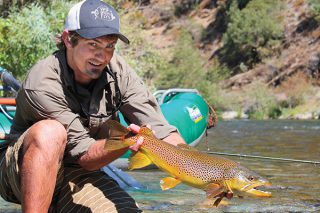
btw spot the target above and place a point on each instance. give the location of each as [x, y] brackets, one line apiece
[102, 55]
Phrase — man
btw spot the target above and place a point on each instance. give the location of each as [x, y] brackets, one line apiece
[61, 112]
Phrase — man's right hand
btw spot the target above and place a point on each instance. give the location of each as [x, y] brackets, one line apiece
[135, 128]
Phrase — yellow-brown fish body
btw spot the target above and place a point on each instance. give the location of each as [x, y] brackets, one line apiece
[218, 176]
[192, 167]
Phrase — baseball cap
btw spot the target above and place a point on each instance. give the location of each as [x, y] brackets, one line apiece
[94, 18]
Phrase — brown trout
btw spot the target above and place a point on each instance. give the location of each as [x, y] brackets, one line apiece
[217, 176]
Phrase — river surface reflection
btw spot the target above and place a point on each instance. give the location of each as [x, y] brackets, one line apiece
[295, 186]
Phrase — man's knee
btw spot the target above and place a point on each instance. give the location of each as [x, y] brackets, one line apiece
[47, 135]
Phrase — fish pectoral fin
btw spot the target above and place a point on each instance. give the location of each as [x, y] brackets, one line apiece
[228, 185]
[217, 201]
[138, 160]
[115, 134]
[115, 129]
[213, 190]
[186, 147]
[114, 144]
[169, 182]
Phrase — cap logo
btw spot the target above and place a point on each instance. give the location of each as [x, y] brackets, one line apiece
[103, 13]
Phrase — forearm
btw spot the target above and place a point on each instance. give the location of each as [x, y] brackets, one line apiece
[96, 157]
[174, 138]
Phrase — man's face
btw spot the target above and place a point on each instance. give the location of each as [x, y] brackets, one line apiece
[89, 57]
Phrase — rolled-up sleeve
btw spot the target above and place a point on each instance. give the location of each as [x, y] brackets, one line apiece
[41, 105]
[139, 106]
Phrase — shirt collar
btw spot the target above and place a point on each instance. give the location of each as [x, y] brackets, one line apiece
[68, 75]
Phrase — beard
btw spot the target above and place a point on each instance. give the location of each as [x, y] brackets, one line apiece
[93, 73]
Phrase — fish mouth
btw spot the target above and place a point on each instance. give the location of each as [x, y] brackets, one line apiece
[255, 189]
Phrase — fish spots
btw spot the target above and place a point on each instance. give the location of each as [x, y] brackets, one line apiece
[195, 167]
[218, 176]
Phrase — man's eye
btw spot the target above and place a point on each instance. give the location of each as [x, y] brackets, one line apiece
[93, 44]
[110, 46]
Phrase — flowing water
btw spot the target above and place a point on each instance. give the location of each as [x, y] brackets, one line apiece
[295, 185]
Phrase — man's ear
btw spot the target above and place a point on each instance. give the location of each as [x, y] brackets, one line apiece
[66, 39]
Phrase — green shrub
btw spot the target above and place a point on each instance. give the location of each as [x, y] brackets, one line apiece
[262, 103]
[27, 38]
[146, 60]
[253, 33]
[28, 35]
[185, 68]
[315, 8]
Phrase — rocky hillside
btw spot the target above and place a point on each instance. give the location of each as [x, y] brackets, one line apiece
[294, 69]
[300, 53]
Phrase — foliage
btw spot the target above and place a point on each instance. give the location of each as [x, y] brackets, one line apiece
[262, 104]
[253, 33]
[28, 35]
[183, 65]
[185, 68]
[315, 8]
[213, 92]
[140, 55]
[7, 4]
[182, 7]
[296, 93]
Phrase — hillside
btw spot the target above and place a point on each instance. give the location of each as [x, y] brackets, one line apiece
[257, 58]
[291, 74]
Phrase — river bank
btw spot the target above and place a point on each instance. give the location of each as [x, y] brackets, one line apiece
[234, 115]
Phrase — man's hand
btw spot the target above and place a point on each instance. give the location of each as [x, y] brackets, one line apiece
[135, 128]
[135, 147]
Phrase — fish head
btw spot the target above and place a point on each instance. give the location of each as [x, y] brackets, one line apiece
[244, 181]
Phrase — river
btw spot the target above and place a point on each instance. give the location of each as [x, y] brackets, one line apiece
[295, 185]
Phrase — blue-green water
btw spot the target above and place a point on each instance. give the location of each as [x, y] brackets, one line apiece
[296, 186]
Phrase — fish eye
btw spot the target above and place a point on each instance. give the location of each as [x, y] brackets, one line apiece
[251, 178]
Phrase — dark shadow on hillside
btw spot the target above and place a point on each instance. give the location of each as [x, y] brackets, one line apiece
[307, 25]
[215, 29]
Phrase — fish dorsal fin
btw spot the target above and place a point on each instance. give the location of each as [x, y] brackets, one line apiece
[138, 160]
[184, 146]
[146, 131]
[169, 182]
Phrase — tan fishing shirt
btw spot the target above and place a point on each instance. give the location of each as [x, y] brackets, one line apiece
[50, 92]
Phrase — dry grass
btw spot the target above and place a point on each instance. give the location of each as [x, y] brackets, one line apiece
[298, 3]
[296, 88]
[316, 33]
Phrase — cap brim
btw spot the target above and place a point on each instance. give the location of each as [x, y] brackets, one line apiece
[98, 32]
